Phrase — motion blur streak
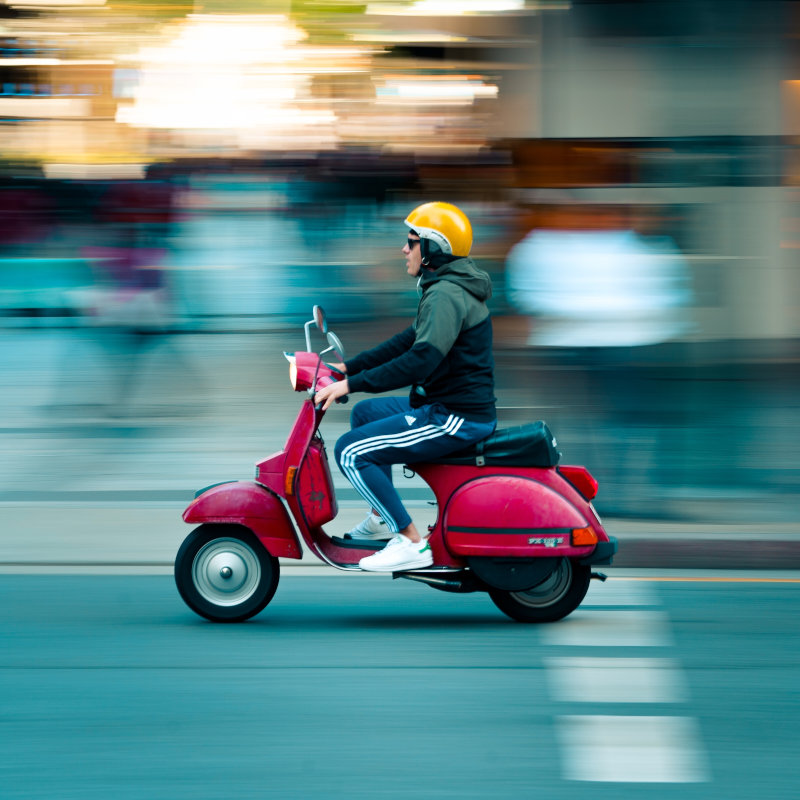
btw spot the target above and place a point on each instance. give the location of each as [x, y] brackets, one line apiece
[180, 185]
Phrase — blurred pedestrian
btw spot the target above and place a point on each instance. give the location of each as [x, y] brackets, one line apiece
[599, 283]
[128, 309]
[607, 302]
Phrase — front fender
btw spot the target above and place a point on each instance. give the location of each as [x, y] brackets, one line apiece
[255, 507]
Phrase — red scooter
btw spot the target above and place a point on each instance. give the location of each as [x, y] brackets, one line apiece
[511, 521]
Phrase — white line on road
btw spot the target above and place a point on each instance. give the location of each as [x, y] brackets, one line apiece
[620, 593]
[632, 749]
[616, 680]
[610, 628]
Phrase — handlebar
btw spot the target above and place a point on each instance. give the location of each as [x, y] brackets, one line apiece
[309, 373]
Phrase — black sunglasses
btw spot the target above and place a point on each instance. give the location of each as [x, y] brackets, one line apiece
[412, 243]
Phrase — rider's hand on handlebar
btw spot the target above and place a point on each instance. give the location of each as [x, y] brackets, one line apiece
[339, 367]
[328, 394]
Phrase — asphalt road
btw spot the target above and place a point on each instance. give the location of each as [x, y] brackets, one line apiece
[360, 686]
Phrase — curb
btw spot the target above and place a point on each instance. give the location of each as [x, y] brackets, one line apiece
[718, 553]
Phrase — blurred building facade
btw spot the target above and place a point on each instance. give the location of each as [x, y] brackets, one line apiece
[186, 168]
[328, 122]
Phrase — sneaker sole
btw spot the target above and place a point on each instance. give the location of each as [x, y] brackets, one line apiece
[418, 564]
[378, 537]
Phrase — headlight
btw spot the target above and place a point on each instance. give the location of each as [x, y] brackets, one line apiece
[292, 359]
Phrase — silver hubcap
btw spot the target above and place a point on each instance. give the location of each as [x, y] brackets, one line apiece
[550, 590]
[226, 572]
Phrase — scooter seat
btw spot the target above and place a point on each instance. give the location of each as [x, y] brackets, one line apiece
[531, 445]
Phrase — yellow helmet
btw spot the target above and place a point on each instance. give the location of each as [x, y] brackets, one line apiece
[443, 224]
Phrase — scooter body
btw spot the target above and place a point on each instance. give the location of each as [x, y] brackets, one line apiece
[517, 526]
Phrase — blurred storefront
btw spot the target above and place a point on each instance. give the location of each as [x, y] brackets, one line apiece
[323, 121]
[220, 166]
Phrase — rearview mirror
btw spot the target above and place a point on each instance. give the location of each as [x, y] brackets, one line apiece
[336, 345]
[319, 319]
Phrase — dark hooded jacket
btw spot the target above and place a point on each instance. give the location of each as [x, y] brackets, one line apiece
[446, 355]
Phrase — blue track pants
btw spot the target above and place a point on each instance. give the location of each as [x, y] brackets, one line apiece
[386, 431]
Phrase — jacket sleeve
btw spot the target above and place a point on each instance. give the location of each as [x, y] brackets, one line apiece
[438, 325]
[380, 354]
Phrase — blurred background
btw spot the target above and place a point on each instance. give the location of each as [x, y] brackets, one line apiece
[180, 182]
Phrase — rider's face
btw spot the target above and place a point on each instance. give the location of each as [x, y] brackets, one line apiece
[413, 254]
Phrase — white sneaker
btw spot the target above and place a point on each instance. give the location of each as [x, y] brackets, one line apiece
[373, 527]
[400, 554]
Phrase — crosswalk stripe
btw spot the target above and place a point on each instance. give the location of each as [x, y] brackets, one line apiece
[616, 680]
[625, 749]
[620, 593]
[622, 748]
[611, 628]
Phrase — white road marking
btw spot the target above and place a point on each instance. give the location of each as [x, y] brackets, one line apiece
[632, 749]
[620, 593]
[616, 680]
[606, 628]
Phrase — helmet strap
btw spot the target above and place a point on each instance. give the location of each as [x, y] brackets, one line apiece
[424, 251]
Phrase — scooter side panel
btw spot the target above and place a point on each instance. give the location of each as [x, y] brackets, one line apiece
[511, 515]
[253, 506]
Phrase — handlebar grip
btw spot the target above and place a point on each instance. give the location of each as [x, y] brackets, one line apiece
[342, 400]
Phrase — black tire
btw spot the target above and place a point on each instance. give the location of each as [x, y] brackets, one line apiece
[224, 573]
[556, 596]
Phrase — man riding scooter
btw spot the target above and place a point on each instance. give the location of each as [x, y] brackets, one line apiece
[446, 358]
[512, 521]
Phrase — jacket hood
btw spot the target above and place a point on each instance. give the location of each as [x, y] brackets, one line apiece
[463, 272]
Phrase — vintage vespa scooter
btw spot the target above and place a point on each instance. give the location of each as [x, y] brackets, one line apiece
[510, 522]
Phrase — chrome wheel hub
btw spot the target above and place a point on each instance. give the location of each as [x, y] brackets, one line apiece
[550, 590]
[226, 572]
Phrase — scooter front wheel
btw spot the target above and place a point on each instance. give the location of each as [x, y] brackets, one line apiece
[224, 573]
[559, 594]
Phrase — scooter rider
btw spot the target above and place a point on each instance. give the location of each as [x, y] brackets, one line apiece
[446, 357]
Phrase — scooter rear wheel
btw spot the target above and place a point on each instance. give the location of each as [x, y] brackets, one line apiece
[559, 594]
[224, 573]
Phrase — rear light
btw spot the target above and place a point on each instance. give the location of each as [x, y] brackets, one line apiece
[583, 536]
[580, 478]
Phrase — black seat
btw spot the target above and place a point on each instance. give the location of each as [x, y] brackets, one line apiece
[531, 445]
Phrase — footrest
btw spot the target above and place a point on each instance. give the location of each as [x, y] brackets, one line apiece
[358, 544]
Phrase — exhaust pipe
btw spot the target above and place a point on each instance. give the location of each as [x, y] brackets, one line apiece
[460, 582]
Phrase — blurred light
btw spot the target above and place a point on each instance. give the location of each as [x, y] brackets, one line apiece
[407, 37]
[460, 7]
[446, 7]
[240, 77]
[52, 62]
[101, 172]
[42, 5]
[229, 39]
[454, 89]
[44, 107]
